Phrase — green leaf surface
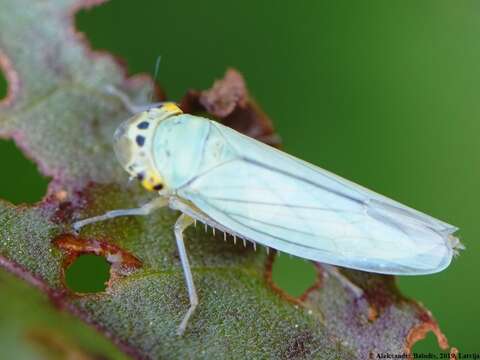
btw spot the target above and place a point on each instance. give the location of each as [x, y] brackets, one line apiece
[59, 114]
[32, 328]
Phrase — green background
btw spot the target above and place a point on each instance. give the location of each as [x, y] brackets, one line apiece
[384, 93]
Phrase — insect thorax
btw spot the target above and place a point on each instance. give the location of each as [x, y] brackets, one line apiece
[185, 146]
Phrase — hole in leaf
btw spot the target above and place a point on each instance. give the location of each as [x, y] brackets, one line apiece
[3, 86]
[293, 275]
[21, 182]
[88, 274]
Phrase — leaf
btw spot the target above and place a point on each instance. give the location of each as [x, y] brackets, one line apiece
[30, 326]
[59, 114]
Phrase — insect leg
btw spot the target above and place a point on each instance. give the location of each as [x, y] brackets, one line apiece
[182, 223]
[141, 211]
[127, 102]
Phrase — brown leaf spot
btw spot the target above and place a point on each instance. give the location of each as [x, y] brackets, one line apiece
[63, 200]
[61, 195]
[229, 101]
[122, 262]
[419, 332]
[64, 212]
[372, 314]
[380, 294]
[380, 291]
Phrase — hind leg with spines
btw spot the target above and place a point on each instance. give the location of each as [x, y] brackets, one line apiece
[182, 223]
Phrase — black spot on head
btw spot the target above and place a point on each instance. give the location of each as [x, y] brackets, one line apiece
[143, 125]
[158, 187]
[140, 140]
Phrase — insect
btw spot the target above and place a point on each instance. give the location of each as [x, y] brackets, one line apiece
[240, 186]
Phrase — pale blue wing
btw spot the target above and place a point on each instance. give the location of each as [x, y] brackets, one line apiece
[272, 198]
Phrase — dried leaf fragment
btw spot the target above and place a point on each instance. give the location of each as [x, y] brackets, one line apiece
[229, 101]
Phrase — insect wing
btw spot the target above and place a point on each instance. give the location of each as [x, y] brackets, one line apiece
[284, 203]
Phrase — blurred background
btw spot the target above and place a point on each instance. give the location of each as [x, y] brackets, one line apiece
[382, 93]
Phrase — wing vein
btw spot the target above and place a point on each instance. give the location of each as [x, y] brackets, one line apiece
[279, 204]
[228, 215]
[307, 181]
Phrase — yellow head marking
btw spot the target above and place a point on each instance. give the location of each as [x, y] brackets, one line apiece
[172, 108]
[133, 144]
[152, 181]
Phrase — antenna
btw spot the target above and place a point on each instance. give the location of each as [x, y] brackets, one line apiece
[155, 73]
